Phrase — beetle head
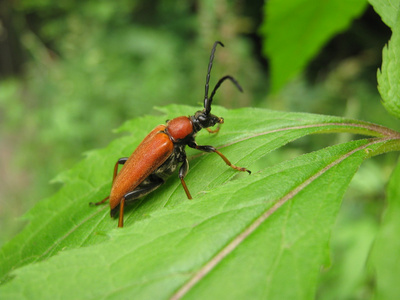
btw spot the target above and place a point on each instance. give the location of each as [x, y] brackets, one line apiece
[202, 119]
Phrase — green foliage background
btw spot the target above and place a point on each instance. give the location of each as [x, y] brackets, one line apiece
[85, 67]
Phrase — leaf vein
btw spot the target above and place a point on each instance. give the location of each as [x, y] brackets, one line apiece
[260, 220]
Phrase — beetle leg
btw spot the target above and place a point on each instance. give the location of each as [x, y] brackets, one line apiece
[182, 173]
[121, 213]
[120, 161]
[100, 202]
[214, 130]
[213, 149]
[140, 191]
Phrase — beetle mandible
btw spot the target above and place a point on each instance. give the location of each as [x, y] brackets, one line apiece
[159, 154]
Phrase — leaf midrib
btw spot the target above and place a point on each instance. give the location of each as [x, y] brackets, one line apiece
[218, 257]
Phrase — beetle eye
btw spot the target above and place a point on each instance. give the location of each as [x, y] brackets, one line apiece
[202, 118]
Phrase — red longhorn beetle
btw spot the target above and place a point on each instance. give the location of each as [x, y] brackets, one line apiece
[159, 154]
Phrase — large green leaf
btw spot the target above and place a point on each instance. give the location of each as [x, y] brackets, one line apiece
[275, 222]
[295, 30]
[385, 258]
[387, 9]
[388, 76]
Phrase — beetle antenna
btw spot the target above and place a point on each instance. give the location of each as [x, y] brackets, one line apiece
[207, 103]
[218, 85]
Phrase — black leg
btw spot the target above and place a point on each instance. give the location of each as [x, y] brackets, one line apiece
[213, 149]
[140, 191]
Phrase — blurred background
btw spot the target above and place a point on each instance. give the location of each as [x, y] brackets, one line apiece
[72, 71]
